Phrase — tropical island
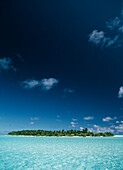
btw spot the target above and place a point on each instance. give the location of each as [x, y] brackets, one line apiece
[70, 133]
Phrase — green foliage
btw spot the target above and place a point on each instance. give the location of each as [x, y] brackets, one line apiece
[82, 133]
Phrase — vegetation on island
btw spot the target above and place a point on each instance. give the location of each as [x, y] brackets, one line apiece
[71, 133]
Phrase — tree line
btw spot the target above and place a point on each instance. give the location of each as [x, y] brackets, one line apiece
[83, 133]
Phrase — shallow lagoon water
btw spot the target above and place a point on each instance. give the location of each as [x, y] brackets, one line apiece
[64, 153]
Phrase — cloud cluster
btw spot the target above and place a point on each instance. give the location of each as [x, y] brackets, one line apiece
[119, 128]
[113, 128]
[6, 64]
[33, 120]
[30, 84]
[99, 129]
[99, 38]
[104, 39]
[96, 37]
[116, 23]
[107, 119]
[45, 84]
[120, 93]
[88, 118]
[48, 84]
[74, 123]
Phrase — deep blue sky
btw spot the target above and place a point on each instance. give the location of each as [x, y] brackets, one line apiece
[61, 60]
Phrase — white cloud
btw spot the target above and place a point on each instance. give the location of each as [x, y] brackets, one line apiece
[48, 84]
[88, 118]
[105, 39]
[95, 126]
[31, 123]
[107, 119]
[68, 90]
[6, 64]
[99, 129]
[105, 129]
[96, 37]
[110, 42]
[99, 38]
[114, 23]
[81, 128]
[45, 84]
[30, 84]
[113, 129]
[120, 93]
[34, 118]
[119, 128]
[74, 124]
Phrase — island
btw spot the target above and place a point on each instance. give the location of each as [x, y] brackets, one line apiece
[69, 133]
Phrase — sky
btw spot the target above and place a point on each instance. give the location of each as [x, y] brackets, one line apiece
[61, 65]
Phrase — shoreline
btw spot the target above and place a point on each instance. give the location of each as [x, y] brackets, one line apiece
[119, 136]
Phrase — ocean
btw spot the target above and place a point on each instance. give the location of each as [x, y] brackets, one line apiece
[61, 153]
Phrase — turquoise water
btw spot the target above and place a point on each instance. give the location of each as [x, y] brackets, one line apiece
[60, 153]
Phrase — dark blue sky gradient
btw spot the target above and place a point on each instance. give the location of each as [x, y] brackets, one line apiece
[52, 38]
